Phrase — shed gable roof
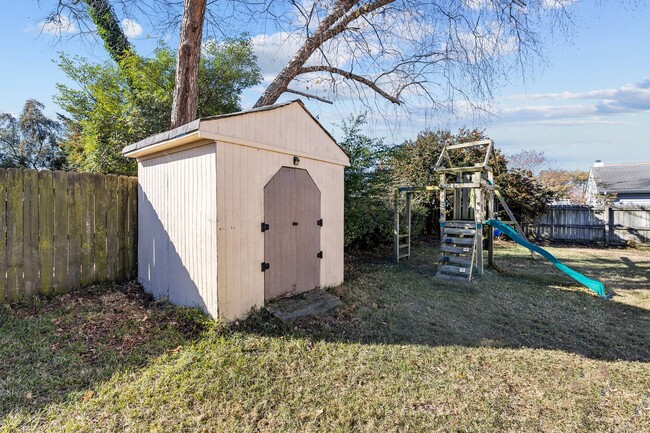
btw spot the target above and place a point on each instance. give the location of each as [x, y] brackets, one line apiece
[622, 178]
[288, 126]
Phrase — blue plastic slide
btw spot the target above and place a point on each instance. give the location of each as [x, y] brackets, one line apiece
[594, 285]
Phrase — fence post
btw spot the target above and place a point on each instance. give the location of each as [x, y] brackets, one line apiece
[606, 225]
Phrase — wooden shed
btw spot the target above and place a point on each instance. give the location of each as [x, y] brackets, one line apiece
[238, 209]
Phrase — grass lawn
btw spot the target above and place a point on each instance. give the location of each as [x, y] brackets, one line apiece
[523, 350]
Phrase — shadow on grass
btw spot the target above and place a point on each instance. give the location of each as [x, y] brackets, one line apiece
[55, 350]
[526, 304]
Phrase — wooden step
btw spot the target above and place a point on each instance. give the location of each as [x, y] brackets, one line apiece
[456, 250]
[455, 231]
[455, 270]
[452, 277]
[454, 240]
[457, 260]
[461, 224]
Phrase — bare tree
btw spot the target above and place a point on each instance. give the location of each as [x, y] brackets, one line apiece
[428, 53]
[531, 160]
[436, 49]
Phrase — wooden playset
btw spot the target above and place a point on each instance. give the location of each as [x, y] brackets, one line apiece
[467, 200]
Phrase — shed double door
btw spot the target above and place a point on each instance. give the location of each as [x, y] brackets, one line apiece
[292, 234]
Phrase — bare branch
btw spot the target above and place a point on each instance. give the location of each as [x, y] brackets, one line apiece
[310, 96]
[350, 76]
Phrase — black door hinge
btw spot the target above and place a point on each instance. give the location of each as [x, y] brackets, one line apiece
[319, 255]
[265, 266]
[320, 222]
[265, 227]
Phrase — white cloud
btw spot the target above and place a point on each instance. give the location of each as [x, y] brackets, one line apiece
[586, 122]
[557, 4]
[57, 25]
[132, 29]
[629, 98]
[274, 51]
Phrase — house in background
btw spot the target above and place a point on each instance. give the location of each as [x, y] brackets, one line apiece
[622, 184]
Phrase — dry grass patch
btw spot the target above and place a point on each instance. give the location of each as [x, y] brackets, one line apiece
[523, 350]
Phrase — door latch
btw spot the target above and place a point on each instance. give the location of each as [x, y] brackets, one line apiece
[265, 266]
[265, 227]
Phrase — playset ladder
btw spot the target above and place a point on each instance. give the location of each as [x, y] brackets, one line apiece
[458, 251]
[402, 242]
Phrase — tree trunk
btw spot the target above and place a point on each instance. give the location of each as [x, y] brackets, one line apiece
[186, 86]
[108, 28]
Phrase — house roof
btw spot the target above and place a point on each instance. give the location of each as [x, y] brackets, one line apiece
[195, 126]
[623, 178]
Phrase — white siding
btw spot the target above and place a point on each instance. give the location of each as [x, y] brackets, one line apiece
[177, 227]
[242, 173]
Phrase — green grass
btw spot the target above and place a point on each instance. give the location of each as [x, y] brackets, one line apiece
[523, 350]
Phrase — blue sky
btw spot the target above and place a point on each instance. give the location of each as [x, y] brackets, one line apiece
[590, 101]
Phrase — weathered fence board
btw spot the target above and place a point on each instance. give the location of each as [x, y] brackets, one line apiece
[101, 207]
[123, 226]
[112, 227]
[46, 230]
[88, 232]
[132, 219]
[31, 265]
[15, 225]
[60, 231]
[3, 236]
[614, 225]
[63, 230]
[75, 229]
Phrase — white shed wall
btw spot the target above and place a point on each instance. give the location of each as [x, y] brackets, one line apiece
[177, 240]
[242, 173]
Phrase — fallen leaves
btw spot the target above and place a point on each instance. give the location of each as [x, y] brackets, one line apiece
[88, 395]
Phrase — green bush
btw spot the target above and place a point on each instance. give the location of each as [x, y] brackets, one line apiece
[376, 169]
[368, 211]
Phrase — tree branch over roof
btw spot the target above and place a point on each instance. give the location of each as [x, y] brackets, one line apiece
[350, 76]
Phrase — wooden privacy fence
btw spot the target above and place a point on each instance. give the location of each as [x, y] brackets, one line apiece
[63, 230]
[616, 225]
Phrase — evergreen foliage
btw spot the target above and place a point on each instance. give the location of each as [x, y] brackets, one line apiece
[116, 105]
[31, 140]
